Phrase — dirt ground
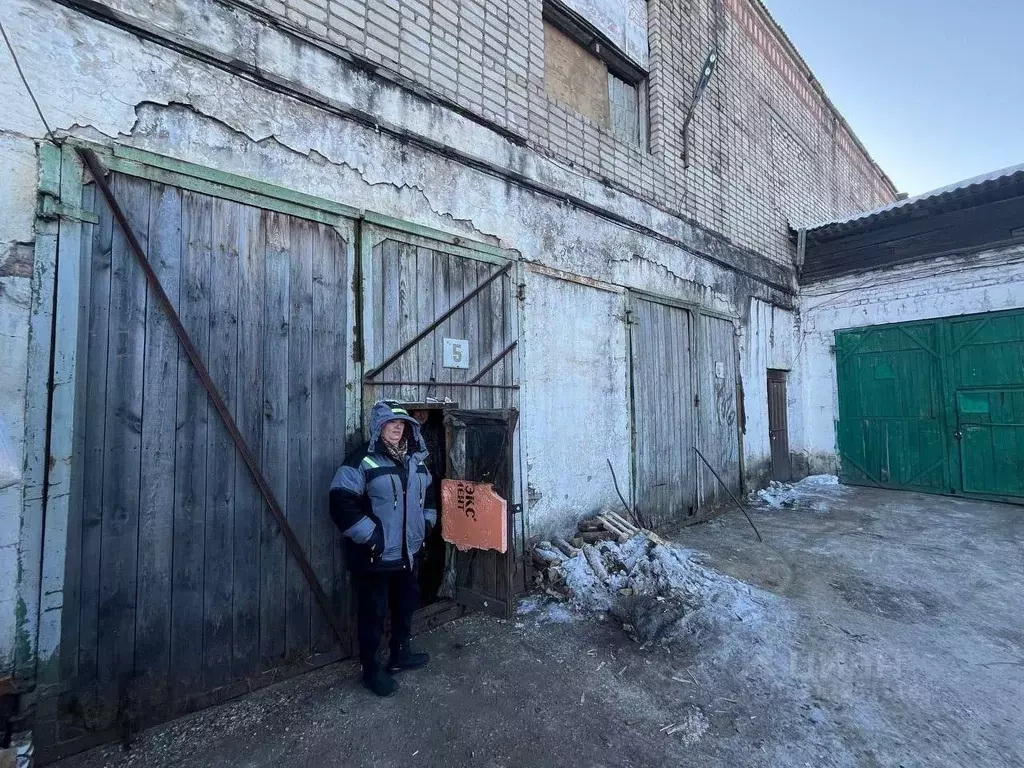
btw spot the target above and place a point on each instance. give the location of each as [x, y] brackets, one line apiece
[896, 639]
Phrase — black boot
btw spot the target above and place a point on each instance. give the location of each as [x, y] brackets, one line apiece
[378, 680]
[403, 657]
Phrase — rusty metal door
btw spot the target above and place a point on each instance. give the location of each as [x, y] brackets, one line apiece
[480, 450]
[664, 412]
[778, 426]
[179, 590]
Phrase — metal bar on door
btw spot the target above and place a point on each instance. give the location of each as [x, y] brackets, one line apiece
[98, 172]
[493, 363]
[430, 328]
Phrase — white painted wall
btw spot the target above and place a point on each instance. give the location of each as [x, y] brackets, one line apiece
[17, 206]
[982, 282]
[101, 82]
[575, 401]
[768, 341]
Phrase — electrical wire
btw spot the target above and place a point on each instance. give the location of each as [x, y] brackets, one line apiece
[21, 74]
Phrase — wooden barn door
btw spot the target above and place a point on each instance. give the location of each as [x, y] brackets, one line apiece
[421, 293]
[664, 419]
[718, 428]
[179, 590]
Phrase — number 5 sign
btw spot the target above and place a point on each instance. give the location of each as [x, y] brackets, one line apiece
[456, 353]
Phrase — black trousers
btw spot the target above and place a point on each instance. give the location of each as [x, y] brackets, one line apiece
[375, 591]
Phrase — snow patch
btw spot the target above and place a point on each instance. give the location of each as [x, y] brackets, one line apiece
[812, 492]
[659, 593]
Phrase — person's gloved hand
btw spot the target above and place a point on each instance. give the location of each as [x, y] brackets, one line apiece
[376, 543]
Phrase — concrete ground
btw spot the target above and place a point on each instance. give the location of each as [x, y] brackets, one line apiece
[901, 644]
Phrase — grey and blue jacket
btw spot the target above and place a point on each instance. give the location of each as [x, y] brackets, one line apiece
[383, 508]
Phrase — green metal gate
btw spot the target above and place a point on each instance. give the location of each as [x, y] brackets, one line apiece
[934, 406]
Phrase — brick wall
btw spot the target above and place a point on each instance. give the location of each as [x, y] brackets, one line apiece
[766, 150]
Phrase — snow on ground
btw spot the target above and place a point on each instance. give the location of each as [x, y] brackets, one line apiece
[658, 594]
[814, 492]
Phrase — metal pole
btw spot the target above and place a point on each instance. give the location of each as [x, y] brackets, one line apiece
[735, 500]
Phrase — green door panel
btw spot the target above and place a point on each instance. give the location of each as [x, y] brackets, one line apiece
[934, 406]
[992, 441]
[891, 416]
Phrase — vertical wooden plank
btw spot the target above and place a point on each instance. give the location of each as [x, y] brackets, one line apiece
[221, 455]
[300, 426]
[463, 277]
[390, 329]
[249, 398]
[405, 367]
[190, 479]
[485, 333]
[377, 260]
[73, 556]
[442, 301]
[500, 339]
[426, 364]
[123, 442]
[275, 433]
[329, 363]
[156, 529]
[95, 428]
[346, 414]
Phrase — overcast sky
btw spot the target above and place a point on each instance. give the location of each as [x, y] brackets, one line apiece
[933, 88]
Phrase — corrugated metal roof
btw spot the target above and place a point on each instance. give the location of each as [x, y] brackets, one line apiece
[962, 189]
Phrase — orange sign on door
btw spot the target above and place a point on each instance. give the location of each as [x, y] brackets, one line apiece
[473, 516]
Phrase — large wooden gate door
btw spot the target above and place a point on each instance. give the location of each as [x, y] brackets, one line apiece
[717, 412]
[179, 590]
[985, 398]
[664, 423]
[421, 293]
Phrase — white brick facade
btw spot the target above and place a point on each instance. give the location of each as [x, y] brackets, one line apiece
[767, 150]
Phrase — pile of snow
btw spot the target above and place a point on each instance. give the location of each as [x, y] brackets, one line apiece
[808, 492]
[657, 592]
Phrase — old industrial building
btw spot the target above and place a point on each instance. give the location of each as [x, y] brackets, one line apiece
[591, 223]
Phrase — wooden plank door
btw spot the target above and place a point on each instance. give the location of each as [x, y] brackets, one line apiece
[417, 292]
[985, 397]
[718, 430]
[179, 588]
[411, 284]
[778, 426]
[892, 422]
[664, 418]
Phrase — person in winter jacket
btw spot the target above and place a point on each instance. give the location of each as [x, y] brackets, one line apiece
[380, 499]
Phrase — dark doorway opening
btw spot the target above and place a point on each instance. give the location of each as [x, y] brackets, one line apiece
[778, 426]
[432, 558]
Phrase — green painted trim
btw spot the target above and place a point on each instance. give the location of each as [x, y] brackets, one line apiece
[215, 189]
[49, 169]
[415, 234]
[232, 180]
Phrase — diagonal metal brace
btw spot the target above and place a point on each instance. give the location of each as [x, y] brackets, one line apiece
[99, 175]
[430, 328]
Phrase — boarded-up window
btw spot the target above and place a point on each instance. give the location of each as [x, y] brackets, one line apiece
[625, 110]
[574, 76]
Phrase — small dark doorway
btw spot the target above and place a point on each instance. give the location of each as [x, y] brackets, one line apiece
[778, 426]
